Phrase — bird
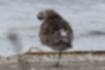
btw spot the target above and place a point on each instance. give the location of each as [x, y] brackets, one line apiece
[55, 32]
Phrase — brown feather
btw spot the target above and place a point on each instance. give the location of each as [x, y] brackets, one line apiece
[50, 31]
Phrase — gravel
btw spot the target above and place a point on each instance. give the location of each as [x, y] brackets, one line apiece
[46, 62]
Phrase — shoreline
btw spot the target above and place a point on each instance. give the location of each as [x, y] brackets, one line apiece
[46, 62]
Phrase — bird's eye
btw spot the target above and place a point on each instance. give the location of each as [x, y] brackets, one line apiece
[40, 16]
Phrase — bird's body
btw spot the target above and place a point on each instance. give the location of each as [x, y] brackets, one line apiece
[55, 32]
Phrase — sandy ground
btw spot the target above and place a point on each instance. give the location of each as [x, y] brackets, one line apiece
[46, 62]
[64, 66]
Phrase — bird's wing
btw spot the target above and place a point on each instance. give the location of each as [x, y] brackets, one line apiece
[55, 33]
[64, 35]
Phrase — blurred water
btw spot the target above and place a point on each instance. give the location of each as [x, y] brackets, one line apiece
[85, 17]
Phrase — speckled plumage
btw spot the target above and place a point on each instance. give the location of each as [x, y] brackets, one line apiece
[55, 32]
[52, 31]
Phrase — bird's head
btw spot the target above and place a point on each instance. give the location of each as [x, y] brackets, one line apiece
[47, 14]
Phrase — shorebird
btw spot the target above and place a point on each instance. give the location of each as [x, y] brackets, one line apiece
[55, 32]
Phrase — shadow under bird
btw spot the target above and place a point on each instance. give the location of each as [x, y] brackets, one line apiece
[55, 32]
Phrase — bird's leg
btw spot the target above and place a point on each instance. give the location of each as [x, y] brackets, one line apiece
[59, 56]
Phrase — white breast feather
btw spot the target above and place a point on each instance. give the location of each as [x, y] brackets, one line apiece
[64, 35]
[63, 32]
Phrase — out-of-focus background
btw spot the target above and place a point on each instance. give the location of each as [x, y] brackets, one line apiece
[87, 18]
